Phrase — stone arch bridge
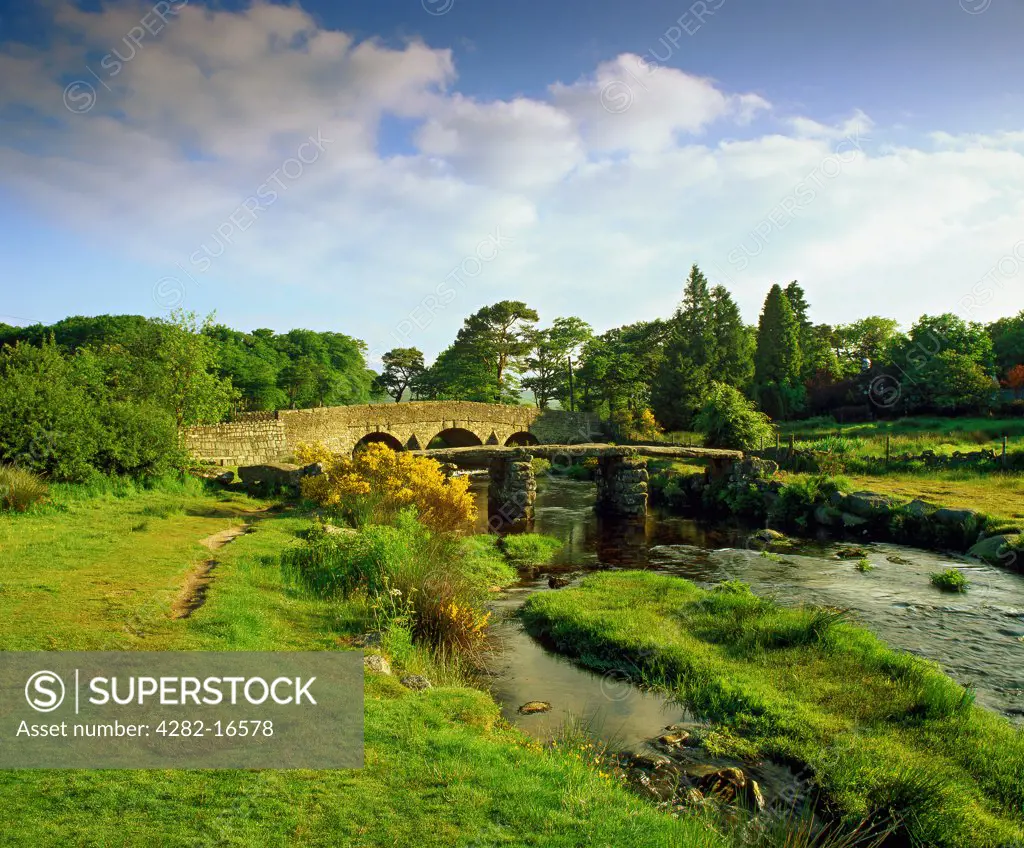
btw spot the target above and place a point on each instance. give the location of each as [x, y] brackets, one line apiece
[262, 437]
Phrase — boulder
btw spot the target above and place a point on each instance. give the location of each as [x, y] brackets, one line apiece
[276, 475]
[867, 504]
[828, 516]
[557, 582]
[919, 508]
[376, 663]
[225, 479]
[851, 521]
[954, 517]
[416, 682]
[994, 550]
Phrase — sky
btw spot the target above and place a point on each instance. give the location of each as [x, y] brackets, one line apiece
[384, 168]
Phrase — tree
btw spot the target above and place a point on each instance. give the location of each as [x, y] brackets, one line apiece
[402, 366]
[729, 420]
[616, 369]
[683, 378]
[549, 361]
[733, 342]
[456, 375]
[934, 334]
[778, 361]
[193, 391]
[1007, 336]
[499, 335]
[952, 383]
[869, 338]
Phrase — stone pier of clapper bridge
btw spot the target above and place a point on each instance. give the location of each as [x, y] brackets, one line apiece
[621, 473]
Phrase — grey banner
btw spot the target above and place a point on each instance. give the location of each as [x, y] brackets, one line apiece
[195, 710]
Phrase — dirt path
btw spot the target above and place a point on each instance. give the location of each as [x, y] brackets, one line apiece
[197, 584]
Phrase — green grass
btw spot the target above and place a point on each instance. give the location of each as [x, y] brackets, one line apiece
[525, 550]
[950, 580]
[888, 736]
[441, 768]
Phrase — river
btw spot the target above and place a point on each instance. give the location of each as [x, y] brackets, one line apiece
[977, 638]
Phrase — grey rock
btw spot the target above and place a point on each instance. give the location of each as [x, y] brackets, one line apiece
[954, 517]
[225, 479]
[994, 550]
[532, 707]
[851, 521]
[416, 682]
[828, 516]
[867, 504]
[368, 640]
[376, 663]
[919, 508]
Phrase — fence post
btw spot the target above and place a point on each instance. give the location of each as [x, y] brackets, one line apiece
[1004, 451]
[792, 444]
[886, 448]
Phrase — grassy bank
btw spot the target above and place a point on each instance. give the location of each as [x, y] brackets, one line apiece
[441, 769]
[888, 737]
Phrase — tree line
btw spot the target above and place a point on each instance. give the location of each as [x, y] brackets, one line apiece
[787, 364]
[110, 393]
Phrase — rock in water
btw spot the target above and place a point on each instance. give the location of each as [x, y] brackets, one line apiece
[556, 582]
[531, 707]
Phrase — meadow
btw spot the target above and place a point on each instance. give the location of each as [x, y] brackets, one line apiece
[99, 567]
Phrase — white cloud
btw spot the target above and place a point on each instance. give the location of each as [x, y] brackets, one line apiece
[609, 187]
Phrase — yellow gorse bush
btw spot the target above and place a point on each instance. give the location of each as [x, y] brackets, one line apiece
[377, 483]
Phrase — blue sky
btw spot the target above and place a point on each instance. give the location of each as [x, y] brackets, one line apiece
[577, 155]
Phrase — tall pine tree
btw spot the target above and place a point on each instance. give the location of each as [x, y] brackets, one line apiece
[682, 381]
[777, 363]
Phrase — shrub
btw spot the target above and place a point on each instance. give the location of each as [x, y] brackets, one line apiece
[377, 484]
[729, 420]
[584, 470]
[19, 489]
[950, 580]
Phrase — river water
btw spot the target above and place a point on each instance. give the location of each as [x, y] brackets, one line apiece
[977, 637]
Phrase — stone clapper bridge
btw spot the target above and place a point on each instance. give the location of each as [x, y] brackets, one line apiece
[502, 438]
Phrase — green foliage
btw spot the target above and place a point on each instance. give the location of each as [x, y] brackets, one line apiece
[729, 420]
[1008, 341]
[549, 359]
[778, 361]
[20, 489]
[486, 358]
[617, 368]
[525, 550]
[707, 342]
[950, 580]
[402, 366]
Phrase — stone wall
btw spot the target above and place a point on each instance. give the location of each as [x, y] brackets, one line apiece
[622, 485]
[252, 438]
[273, 436]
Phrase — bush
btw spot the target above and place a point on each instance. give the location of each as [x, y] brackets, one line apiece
[950, 580]
[58, 417]
[729, 420]
[377, 484]
[19, 489]
[432, 585]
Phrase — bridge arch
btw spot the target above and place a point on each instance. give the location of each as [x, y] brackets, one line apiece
[456, 437]
[379, 438]
[521, 439]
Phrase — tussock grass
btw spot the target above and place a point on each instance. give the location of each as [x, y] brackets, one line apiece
[20, 489]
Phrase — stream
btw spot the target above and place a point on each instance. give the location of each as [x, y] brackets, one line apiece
[977, 637]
